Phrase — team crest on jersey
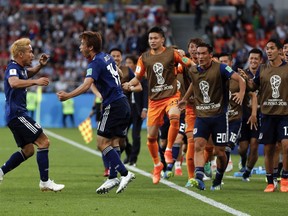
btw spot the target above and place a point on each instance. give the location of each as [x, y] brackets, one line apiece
[229, 69]
[89, 72]
[12, 72]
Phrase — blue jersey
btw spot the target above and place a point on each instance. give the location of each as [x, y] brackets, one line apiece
[103, 70]
[15, 98]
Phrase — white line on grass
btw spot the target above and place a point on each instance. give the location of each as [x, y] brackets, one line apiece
[168, 183]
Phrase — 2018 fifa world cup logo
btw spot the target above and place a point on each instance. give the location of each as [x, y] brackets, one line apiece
[275, 82]
[158, 70]
[204, 87]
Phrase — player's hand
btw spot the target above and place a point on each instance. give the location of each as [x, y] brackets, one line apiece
[242, 73]
[238, 98]
[43, 81]
[62, 95]
[126, 86]
[44, 58]
[182, 104]
[253, 122]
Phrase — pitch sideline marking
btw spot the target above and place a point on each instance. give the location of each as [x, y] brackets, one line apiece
[202, 198]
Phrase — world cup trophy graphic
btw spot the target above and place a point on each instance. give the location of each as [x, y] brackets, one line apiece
[158, 70]
[275, 82]
[204, 87]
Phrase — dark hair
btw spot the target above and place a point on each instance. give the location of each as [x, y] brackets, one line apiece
[93, 39]
[115, 49]
[276, 42]
[158, 30]
[256, 51]
[195, 41]
[285, 41]
[134, 58]
[208, 46]
[225, 54]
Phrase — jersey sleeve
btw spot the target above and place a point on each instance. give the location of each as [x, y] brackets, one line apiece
[183, 60]
[93, 71]
[226, 70]
[131, 74]
[140, 68]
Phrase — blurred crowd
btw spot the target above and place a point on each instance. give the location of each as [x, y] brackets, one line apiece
[54, 29]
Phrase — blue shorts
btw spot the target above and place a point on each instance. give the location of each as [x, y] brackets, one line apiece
[216, 126]
[25, 130]
[115, 119]
[273, 129]
[234, 132]
[246, 133]
[165, 127]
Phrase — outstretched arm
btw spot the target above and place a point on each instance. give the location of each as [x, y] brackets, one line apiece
[42, 63]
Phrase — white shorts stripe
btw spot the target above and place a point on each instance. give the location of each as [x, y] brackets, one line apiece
[104, 118]
[28, 125]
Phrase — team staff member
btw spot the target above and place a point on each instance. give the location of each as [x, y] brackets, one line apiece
[159, 63]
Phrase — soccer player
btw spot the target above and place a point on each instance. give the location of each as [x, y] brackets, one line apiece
[210, 93]
[158, 63]
[26, 131]
[114, 121]
[272, 80]
[249, 135]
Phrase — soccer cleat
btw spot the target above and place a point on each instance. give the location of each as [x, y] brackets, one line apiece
[245, 179]
[168, 157]
[270, 188]
[124, 181]
[157, 173]
[106, 172]
[206, 178]
[207, 170]
[229, 166]
[188, 184]
[216, 187]
[168, 174]
[108, 185]
[178, 172]
[197, 183]
[245, 176]
[50, 185]
[284, 185]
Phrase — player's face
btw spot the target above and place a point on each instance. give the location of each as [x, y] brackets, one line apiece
[225, 60]
[117, 57]
[204, 57]
[129, 63]
[192, 50]
[254, 61]
[272, 51]
[155, 40]
[285, 52]
[84, 49]
[27, 56]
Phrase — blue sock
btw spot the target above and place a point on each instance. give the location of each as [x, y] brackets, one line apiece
[43, 163]
[105, 162]
[112, 170]
[15, 160]
[199, 173]
[114, 160]
[170, 167]
[284, 174]
[175, 151]
[218, 177]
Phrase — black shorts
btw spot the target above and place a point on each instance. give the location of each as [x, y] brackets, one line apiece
[115, 119]
[25, 130]
[165, 127]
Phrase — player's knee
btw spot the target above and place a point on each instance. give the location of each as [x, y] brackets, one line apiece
[151, 139]
[174, 120]
[28, 151]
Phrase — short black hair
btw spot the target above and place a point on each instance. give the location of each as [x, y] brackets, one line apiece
[276, 42]
[115, 49]
[157, 29]
[256, 51]
[285, 41]
[208, 46]
[226, 54]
